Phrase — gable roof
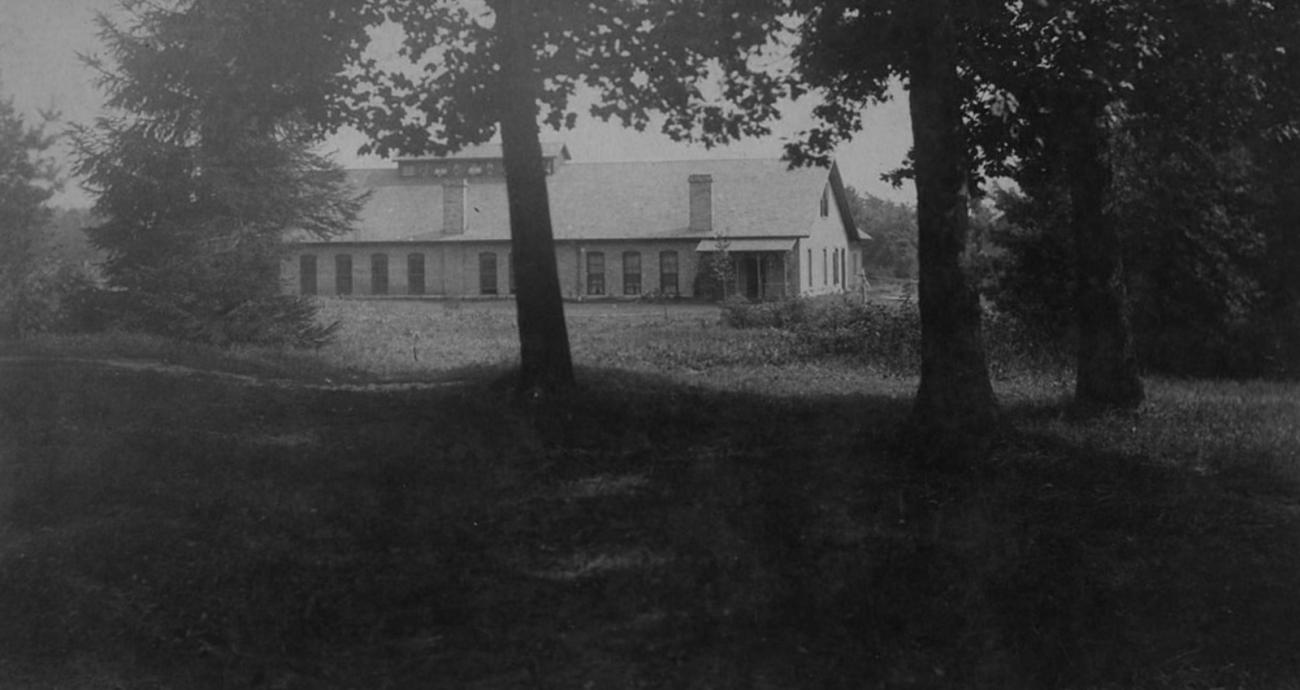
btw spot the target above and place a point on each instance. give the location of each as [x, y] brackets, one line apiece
[754, 198]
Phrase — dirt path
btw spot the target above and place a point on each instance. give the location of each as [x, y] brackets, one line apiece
[245, 379]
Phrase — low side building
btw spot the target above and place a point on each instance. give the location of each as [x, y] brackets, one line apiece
[440, 227]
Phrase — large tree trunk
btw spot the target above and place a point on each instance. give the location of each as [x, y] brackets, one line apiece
[1107, 370]
[543, 336]
[955, 413]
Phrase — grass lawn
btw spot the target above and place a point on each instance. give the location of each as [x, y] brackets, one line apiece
[705, 511]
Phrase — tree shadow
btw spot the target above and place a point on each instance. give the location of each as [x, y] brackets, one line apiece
[629, 532]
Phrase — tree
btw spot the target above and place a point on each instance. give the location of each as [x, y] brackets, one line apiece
[207, 166]
[1078, 93]
[1053, 103]
[27, 181]
[849, 51]
[892, 250]
[475, 72]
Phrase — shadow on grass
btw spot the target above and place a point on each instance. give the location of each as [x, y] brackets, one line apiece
[634, 533]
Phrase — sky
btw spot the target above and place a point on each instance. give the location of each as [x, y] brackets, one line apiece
[39, 69]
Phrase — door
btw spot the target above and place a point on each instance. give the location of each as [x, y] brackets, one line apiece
[751, 269]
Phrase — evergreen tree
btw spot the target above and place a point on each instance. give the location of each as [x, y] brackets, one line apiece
[27, 181]
[206, 166]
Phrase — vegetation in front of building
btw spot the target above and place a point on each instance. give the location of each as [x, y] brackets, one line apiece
[886, 333]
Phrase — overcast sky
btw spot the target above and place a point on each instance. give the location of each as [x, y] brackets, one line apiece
[40, 39]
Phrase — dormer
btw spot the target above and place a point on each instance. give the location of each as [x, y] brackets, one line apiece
[476, 162]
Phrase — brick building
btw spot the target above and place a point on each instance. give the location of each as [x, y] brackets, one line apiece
[440, 227]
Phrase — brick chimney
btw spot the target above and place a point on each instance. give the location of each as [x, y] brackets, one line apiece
[454, 193]
[701, 203]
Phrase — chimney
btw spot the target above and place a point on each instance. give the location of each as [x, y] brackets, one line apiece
[454, 193]
[701, 203]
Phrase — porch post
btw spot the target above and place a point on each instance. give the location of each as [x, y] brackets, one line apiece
[785, 274]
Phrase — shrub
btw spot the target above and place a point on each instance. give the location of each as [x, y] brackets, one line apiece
[45, 300]
[270, 321]
[884, 334]
[888, 335]
[739, 312]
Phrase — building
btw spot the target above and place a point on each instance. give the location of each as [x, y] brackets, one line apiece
[440, 227]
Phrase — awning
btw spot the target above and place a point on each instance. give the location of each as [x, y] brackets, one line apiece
[746, 245]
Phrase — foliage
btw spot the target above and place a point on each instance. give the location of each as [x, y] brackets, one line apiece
[892, 226]
[207, 167]
[51, 297]
[27, 179]
[1136, 124]
[1202, 256]
[716, 276]
[887, 335]
[637, 59]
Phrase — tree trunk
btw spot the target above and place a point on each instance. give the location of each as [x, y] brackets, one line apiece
[955, 413]
[545, 363]
[1107, 370]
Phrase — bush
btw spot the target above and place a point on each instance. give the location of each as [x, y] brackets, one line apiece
[269, 321]
[739, 312]
[46, 299]
[888, 335]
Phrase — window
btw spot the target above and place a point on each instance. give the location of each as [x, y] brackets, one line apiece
[510, 259]
[307, 274]
[415, 274]
[809, 268]
[595, 273]
[844, 266]
[835, 268]
[826, 202]
[487, 273]
[343, 274]
[826, 269]
[668, 273]
[379, 274]
[631, 273]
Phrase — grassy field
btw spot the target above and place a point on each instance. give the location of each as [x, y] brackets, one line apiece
[707, 510]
